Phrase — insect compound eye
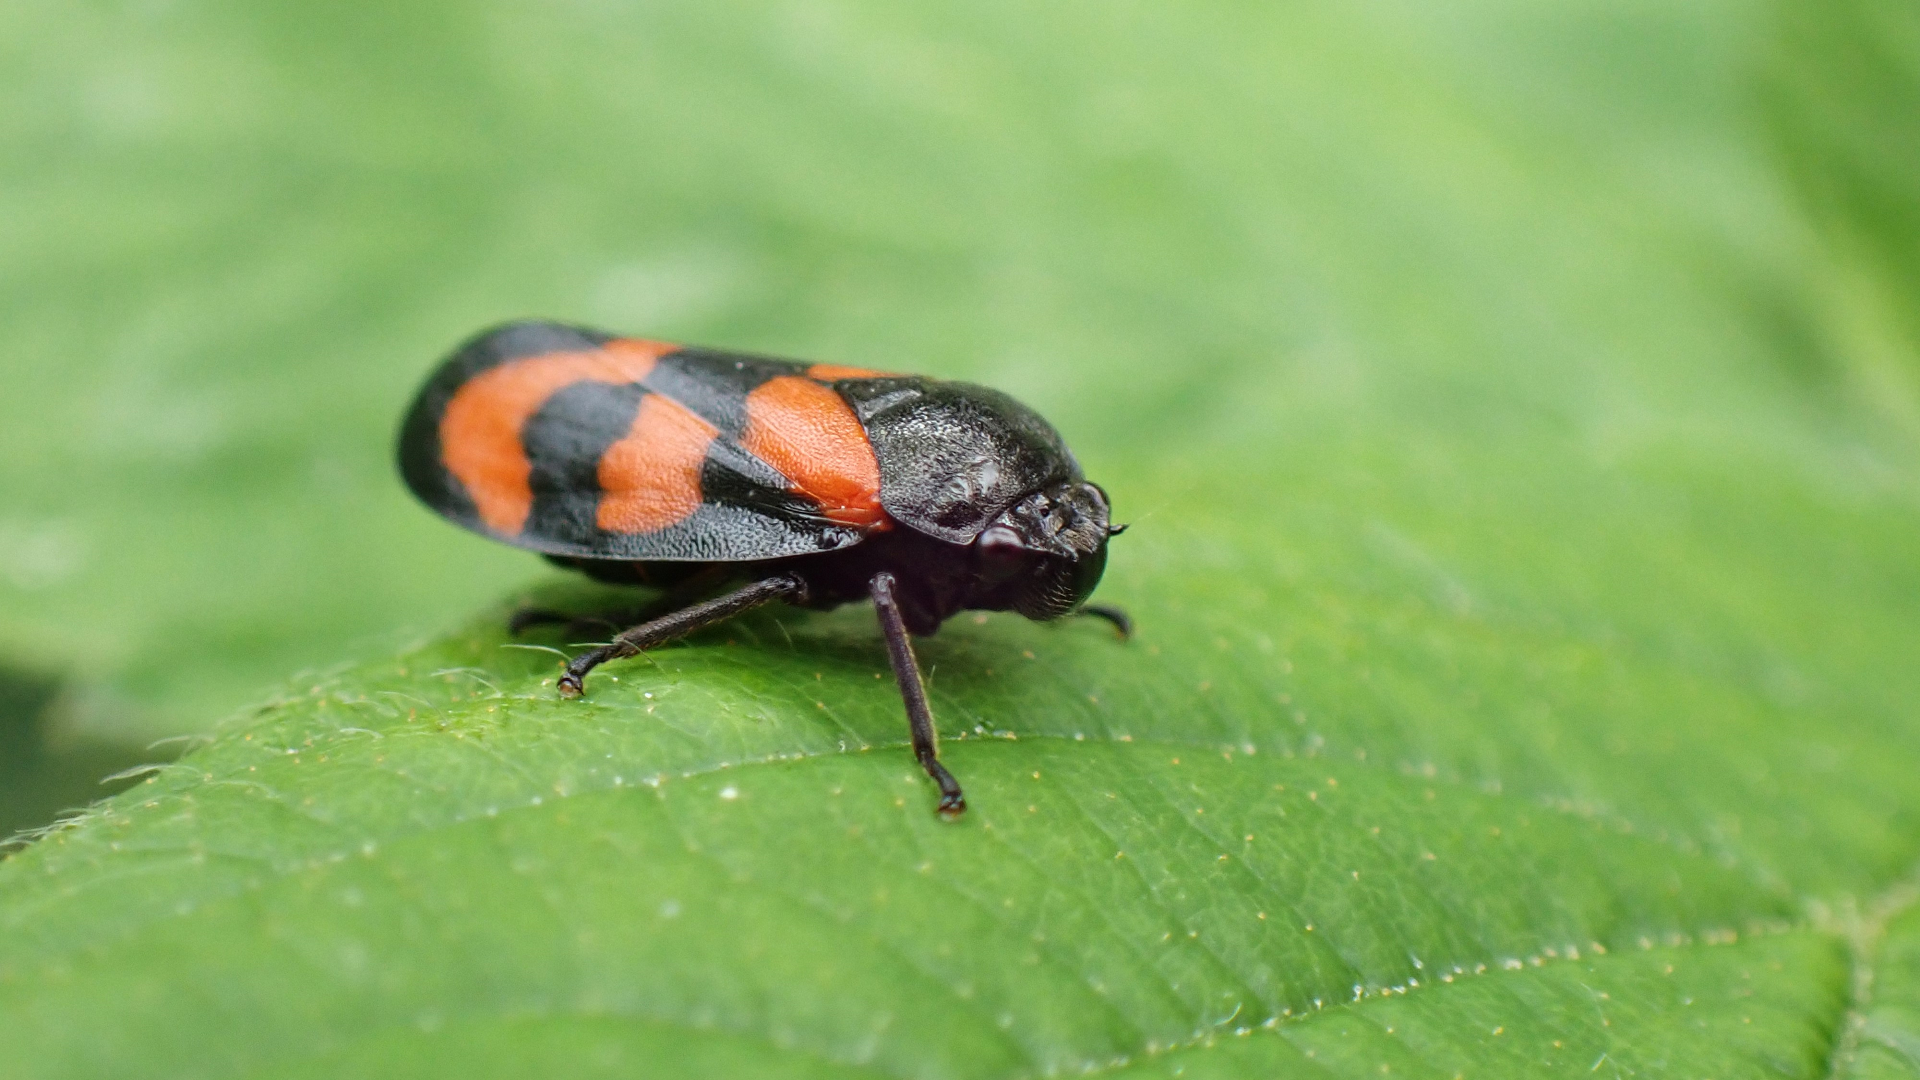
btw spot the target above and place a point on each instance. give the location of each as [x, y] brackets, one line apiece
[1001, 551]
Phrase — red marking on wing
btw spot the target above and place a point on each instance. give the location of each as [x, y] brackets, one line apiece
[804, 429]
[650, 479]
[830, 372]
[480, 429]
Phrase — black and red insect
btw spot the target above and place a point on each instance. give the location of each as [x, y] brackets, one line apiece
[693, 469]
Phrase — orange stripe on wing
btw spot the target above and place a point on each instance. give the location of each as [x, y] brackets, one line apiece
[650, 479]
[480, 429]
[830, 372]
[804, 430]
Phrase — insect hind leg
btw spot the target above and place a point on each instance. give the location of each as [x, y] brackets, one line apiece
[679, 624]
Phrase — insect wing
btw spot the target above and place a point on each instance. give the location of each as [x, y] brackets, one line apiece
[573, 442]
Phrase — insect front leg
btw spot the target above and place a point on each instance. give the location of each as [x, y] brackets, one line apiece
[913, 692]
[679, 624]
[1122, 622]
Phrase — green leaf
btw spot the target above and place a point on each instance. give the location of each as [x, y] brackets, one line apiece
[1515, 427]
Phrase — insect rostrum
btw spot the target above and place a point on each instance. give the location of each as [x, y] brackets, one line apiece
[693, 469]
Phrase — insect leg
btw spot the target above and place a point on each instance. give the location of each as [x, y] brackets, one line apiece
[682, 622]
[914, 693]
[1120, 620]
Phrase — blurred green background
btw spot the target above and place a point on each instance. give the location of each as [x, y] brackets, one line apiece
[235, 238]
[1593, 322]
